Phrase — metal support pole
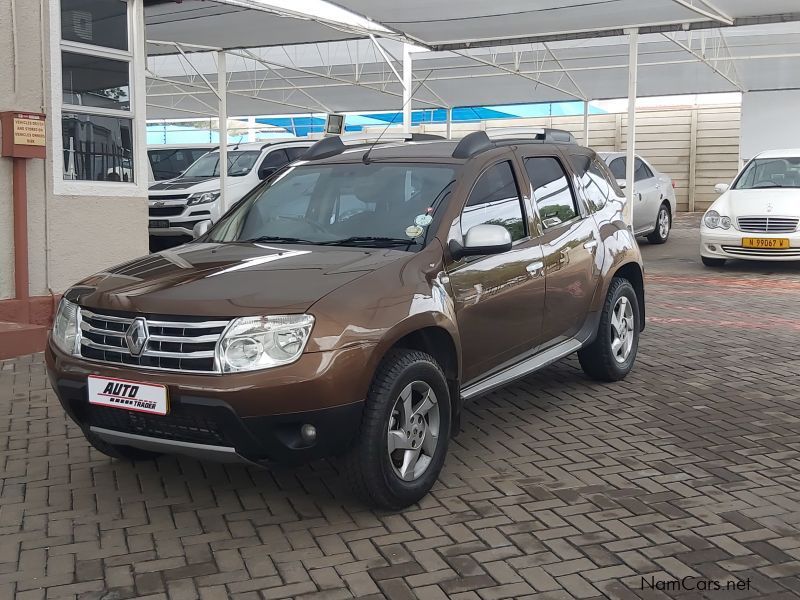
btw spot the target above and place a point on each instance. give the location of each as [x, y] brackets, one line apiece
[449, 129]
[19, 186]
[407, 83]
[633, 74]
[222, 91]
[586, 123]
[251, 129]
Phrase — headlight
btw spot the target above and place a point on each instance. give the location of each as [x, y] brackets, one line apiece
[66, 328]
[202, 198]
[252, 343]
[713, 220]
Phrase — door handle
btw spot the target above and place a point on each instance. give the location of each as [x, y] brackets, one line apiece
[535, 269]
[591, 245]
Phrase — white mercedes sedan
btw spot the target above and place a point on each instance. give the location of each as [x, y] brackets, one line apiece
[757, 217]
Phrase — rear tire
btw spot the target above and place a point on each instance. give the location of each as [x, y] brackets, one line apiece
[663, 226]
[713, 262]
[612, 354]
[126, 453]
[407, 413]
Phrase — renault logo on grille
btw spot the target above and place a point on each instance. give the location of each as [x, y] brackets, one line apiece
[136, 336]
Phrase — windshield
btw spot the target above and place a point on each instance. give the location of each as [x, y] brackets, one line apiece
[770, 173]
[239, 163]
[376, 204]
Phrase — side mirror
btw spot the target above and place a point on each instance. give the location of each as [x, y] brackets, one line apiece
[481, 240]
[622, 183]
[721, 188]
[265, 172]
[201, 228]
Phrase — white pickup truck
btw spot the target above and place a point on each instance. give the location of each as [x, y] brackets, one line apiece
[177, 205]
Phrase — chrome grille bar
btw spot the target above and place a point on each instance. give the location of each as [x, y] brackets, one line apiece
[768, 224]
[192, 348]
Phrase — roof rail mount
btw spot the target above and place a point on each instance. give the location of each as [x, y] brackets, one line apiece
[329, 146]
[471, 144]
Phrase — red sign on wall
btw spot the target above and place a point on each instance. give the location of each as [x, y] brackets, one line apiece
[23, 134]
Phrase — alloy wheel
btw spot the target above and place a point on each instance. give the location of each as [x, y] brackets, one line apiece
[622, 327]
[663, 223]
[413, 433]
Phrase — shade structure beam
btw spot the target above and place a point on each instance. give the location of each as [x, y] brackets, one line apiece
[705, 9]
[535, 79]
[565, 71]
[327, 74]
[300, 89]
[711, 62]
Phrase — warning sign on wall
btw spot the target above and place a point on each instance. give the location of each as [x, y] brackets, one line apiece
[29, 132]
[23, 134]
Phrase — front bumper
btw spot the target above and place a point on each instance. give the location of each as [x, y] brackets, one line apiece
[178, 218]
[716, 243]
[228, 417]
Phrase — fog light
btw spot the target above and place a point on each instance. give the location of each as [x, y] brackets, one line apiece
[712, 247]
[308, 433]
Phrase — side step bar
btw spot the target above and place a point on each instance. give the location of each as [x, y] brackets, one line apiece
[520, 369]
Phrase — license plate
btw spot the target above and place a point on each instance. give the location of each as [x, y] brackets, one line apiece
[128, 395]
[160, 224]
[768, 243]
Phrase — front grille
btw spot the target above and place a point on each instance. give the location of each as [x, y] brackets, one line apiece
[177, 344]
[179, 425]
[762, 251]
[168, 197]
[165, 211]
[768, 224]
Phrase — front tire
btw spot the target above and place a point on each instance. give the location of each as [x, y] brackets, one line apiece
[405, 429]
[612, 354]
[126, 453]
[713, 262]
[663, 226]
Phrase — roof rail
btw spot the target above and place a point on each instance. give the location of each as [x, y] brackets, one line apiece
[333, 145]
[480, 141]
[543, 134]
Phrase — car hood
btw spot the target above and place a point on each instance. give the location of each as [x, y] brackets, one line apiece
[228, 280]
[764, 202]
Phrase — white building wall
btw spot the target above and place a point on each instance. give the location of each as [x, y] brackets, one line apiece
[769, 121]
[69, 236]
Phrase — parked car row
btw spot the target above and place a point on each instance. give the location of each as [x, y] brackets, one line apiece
[180, 186]
[352, 305]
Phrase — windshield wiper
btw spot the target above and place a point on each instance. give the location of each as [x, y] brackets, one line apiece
[369, 240]
[277, 238]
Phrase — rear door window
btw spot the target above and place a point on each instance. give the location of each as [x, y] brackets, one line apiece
[551, 190]
[596, 188]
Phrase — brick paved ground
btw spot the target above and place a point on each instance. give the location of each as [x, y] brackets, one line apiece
[557, 488]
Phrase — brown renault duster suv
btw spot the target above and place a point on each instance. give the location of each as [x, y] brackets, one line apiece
[352, 303]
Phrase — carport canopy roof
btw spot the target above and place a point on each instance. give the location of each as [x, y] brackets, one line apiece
[227, 24]
[337, 70]
[470, 23]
